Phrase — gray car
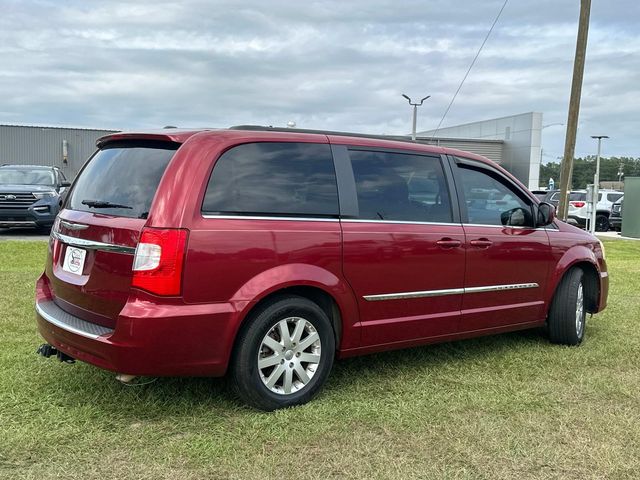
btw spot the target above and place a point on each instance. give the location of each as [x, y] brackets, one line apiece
[29, 195]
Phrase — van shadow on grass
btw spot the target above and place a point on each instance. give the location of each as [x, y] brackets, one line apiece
[80, 384]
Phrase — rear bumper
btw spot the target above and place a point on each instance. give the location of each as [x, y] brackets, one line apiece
[149, 339]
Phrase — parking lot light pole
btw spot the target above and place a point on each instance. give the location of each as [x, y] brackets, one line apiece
[596, 183]
[415, 113]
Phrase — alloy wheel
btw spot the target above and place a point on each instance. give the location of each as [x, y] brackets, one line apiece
[580, 311]
[289, 355]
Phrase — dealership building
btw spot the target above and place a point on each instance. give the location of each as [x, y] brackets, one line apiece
[513, 142]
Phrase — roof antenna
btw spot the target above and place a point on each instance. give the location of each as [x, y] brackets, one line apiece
[291, 124]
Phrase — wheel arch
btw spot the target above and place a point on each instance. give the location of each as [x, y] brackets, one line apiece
[591, 273]
[317, 295]
[330, 292]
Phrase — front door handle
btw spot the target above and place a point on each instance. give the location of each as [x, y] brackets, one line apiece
[447, 242]
[481, 243]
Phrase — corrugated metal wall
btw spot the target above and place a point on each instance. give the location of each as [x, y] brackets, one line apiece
[492, 149]
[25, 145]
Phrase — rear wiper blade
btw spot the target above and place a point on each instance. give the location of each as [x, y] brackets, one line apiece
[103, 204]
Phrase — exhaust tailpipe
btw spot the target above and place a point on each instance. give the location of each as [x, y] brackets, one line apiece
[125, 378]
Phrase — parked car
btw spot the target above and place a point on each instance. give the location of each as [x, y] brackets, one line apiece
[540, 194]
[29, 195]
[578, 208]
[266, 253]
[615, 219]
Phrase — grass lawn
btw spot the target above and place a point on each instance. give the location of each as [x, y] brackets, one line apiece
[510, 406]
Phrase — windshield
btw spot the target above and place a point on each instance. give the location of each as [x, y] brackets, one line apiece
[121, 180]
[26, 176]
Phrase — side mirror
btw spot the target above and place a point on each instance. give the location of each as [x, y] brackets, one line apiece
[63, 197]
[546, 214]
[65, 184]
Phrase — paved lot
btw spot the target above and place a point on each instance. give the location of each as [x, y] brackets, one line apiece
[21, 234]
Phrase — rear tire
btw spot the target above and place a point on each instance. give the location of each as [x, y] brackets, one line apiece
[567, 315]
[283, 354]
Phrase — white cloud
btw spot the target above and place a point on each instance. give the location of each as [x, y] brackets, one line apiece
[333, 64]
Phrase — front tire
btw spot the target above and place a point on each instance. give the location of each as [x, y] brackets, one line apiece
[602, 223]
[283, 354]
[568, 315]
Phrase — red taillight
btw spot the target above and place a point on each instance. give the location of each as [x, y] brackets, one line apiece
[158, 262]
[578, 204]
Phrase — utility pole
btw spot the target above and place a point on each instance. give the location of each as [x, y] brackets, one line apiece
[566, 169]
[415, 113]
[596, 183]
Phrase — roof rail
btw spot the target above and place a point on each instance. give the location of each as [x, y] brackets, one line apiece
[262, 128]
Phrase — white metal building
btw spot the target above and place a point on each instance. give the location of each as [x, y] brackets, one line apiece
[519, 135]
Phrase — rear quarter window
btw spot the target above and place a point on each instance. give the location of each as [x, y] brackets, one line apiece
[278, 179]
[125, 176]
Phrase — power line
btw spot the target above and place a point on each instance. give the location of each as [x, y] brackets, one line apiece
[469, 70]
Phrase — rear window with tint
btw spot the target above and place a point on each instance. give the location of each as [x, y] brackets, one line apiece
[275, 179]
[577, 197]
[121, 180]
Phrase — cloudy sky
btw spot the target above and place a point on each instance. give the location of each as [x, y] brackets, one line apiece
[338, 65]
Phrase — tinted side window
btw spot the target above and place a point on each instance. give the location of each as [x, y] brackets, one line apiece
[614, 197]
[489, 201]
[273, 178]
[401, 187]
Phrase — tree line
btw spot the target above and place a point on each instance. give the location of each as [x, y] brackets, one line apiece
[585, 168]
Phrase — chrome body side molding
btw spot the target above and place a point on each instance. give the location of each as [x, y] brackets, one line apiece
[448, 291]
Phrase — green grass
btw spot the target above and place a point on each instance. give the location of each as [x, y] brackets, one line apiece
[510, 406]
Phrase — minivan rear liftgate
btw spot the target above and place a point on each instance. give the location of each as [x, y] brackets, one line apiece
[90, 269]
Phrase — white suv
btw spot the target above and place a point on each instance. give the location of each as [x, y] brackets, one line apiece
[578, 207]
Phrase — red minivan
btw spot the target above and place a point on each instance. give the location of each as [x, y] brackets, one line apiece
[267, 253]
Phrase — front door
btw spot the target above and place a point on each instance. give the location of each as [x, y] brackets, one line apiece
[507, 256]
[404, 253]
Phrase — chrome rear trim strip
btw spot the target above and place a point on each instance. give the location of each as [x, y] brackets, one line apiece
[93, 245]
[448, 291]
[64, 320]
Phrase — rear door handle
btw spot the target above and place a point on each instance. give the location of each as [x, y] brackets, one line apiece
[447, 242]
[481, 243]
